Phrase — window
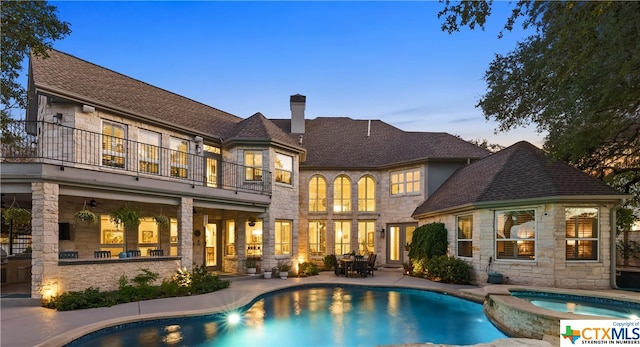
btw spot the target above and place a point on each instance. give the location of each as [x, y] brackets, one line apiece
[254, 238]
[342, 230]
[341, 194]
[149, 151]
[366, 237]
[582, 233]
[317, 194]
[178, 153]
[253, 163]
[405, 182]
[366, 194]
[111, 236]
[147, 235]
[465, 236]
[113, 144]
[284, 168]
[283, 237]
[317, 237]
[173, 237]
[516, 234]
[230, 230]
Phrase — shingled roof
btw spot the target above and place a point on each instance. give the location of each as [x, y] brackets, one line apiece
[519, 172]
[258, 128]
[66, 76]
[341, 142]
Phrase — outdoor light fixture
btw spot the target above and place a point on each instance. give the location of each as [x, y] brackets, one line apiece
[93, 203]
[382, 233]
[58, 117]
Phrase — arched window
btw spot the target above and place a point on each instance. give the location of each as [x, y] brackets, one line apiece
[342, 194]
[366, 194]
[317, 194]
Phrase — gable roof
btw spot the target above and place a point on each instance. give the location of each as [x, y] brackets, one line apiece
[341, 142]
[519, 172]
[69, 77]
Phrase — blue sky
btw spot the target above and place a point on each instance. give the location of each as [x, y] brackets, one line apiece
[364, 60]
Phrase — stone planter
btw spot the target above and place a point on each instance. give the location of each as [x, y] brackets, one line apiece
[284, 274]
[267, 274]
[251, 271]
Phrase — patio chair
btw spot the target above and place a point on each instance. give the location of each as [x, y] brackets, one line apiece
[360, 265]
[68, 255]
[371, 264]
[134, 253]
[156, 252]
[337, 267]
[102, 254]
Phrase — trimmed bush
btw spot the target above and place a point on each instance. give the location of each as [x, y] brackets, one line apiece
[428, 241]
[308, 269]
[449, 270]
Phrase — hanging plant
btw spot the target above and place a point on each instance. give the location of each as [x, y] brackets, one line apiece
[19, 216]
[85, 215]
[162, 220]
[126, 215]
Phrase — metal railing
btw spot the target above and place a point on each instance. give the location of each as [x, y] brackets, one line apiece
[52, 143]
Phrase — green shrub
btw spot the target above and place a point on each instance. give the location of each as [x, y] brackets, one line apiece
[308, 269]
[205, 282]
[88, 298]
[428, 241]
[328, 262]
[449, 270]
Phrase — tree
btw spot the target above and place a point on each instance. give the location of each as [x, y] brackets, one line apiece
[576, 76]
[27, 27]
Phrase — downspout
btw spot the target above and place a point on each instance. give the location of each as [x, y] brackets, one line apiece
[613, 248]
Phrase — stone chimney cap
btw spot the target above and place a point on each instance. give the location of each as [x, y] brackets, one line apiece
[298, 98]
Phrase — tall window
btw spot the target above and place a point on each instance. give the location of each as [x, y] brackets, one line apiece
[465, 236]
[317, 237]
[114, 151]
[230, 238]
[366, 237]
[111, 236]
[284, 168]
[148, 151]
[253, 163]
[254, 238]
[342, 230]
[147, 235]
[317, 194]
[341, 194]
[516, 234]
[283, 237]
[366, 194]
[582, 233]
[405, 182]
[178, 153]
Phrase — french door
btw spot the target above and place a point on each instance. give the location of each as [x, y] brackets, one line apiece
[212, 246]
[398, 236]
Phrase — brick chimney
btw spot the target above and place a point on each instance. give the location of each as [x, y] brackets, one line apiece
[297, 103]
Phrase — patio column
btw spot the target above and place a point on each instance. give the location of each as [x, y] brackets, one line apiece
[44, 234]
[185, 232]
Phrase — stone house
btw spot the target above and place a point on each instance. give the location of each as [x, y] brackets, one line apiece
[534, 220]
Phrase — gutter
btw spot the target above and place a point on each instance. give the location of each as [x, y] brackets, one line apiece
[613, 248]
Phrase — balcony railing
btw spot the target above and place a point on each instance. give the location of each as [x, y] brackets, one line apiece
[57, 144]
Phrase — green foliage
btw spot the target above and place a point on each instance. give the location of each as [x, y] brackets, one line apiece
[283, 266]
[428, 241]
[141, 288]
[328, 262]
[449, 270]
[126, 215]
[308, 269]
[251, 262]
[27, 26]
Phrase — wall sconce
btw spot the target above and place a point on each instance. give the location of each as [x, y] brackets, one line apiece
[194, 210]
[93, 203]
[199, 146]
[382, 233]
[57, 118]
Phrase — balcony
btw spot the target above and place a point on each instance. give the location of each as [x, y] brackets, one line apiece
[57, 144]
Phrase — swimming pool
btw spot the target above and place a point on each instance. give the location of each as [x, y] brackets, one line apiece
[317, 316]
[579, 304]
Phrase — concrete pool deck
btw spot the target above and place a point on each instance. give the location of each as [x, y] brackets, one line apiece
[25, 323]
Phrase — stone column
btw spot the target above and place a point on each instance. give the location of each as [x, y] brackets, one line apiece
[185, 232]
[44, 233]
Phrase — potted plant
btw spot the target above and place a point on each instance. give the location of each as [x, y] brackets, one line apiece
[20, 216]
[267, 274]
[283, 268]
[85, 215]
[126, 215]
[251, 264]
[162, 221]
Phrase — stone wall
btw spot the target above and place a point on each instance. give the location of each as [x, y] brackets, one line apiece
[105, 275]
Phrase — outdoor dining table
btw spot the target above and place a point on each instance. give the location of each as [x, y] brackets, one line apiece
[347, 263]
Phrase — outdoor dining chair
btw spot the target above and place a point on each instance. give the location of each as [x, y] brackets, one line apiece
[102, 254]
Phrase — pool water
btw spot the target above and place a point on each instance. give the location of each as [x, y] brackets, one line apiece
[318, 316]
[592, 306]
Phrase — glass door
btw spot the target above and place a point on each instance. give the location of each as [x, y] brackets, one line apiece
[399, 236]
[210, 248]
[211, 161]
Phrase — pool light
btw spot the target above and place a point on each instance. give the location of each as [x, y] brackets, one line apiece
[233, 318]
